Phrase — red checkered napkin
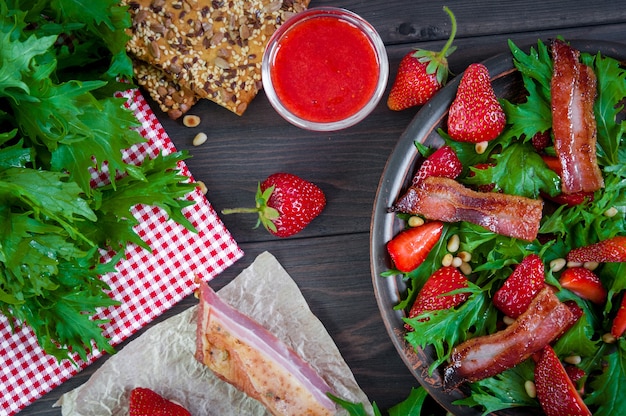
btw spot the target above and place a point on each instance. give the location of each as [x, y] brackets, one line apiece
[146, 283]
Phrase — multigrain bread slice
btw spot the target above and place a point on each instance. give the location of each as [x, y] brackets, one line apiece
[171, 97]
[213, 48]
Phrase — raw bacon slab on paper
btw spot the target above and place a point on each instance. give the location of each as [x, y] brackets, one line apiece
[147, 284]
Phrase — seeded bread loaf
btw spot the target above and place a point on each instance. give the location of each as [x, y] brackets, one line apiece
[212, 48]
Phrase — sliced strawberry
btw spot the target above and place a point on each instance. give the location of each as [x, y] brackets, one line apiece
[576, 374]
[619, 322]
[443, 163]
[475, 115]
[555, 390]
[145, 402]
[409, 248]
[584, 283]
[520, 287]
[432, 296]
[605, 251]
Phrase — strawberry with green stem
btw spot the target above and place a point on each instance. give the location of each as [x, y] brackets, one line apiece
[285, 204]
[421, 74]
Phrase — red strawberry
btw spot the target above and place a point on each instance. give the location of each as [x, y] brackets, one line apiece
[442, 163]
[145, 402]
[421, 74]
[409, 248]
[555, 390]
[520, 287]
[285, 204]
[475, 114]
[576, 374]
[432, 296]
[619, 322]
[605, 251]
[584, 283]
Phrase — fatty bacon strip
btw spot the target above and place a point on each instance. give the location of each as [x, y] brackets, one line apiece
[573, 92]
[243, 353]
[443, 199]
[477, 358]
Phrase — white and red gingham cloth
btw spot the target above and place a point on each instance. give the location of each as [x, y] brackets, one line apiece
[147, 283]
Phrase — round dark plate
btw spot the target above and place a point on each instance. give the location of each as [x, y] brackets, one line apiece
[396, 178]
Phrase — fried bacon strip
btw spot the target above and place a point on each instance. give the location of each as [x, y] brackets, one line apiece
[245, 354]
[573, 91]
[545, 319]
[446, 200]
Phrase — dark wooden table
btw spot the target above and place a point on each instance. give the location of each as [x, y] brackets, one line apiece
[330, 259]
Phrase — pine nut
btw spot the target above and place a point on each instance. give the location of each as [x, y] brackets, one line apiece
[591, 265]
[508, 320]
[199, 139]
[557, 265]
[608, 338]
[456, 262]
[465, 256]
[531, 388]
[202, 187]
[574, 264]
[447, 260]
[481, 147]
[415, 221]
[453, 243]
[465, 268]
[611, 212]
[573, 359]
[191, 121]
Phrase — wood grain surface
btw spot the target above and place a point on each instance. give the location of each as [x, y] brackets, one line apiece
[330, 259]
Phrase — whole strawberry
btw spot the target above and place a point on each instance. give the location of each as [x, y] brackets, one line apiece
[421, 74]
[145, 402]
[475, 114]
[285, 204]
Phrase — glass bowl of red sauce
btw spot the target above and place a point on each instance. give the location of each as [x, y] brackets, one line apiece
[325, 69]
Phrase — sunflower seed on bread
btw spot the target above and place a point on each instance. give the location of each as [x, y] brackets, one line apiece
[213, 48]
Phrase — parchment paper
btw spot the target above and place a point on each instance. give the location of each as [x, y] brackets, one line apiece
[163, 357]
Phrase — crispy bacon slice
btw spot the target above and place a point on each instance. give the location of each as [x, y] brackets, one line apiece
[446, 200]
[545, 319]
[242, 352]
[573, 91]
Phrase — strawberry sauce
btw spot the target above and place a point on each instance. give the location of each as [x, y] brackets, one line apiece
[325, 70]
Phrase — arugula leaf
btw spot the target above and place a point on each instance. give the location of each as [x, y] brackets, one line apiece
[61, 62]
[411, 406]
[529, 179]
[609, 389]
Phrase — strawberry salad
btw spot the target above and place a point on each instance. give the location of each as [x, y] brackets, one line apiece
[515, 244]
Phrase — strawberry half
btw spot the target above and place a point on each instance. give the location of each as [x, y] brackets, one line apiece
[432, 296]
[475, 115]
[555, 390]
[410, 248]
[619, 322]
[442, 163]
[285, 204]
[145, 402]
[584, 283]
[519, 289]
[421, 74]
[605, 251]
